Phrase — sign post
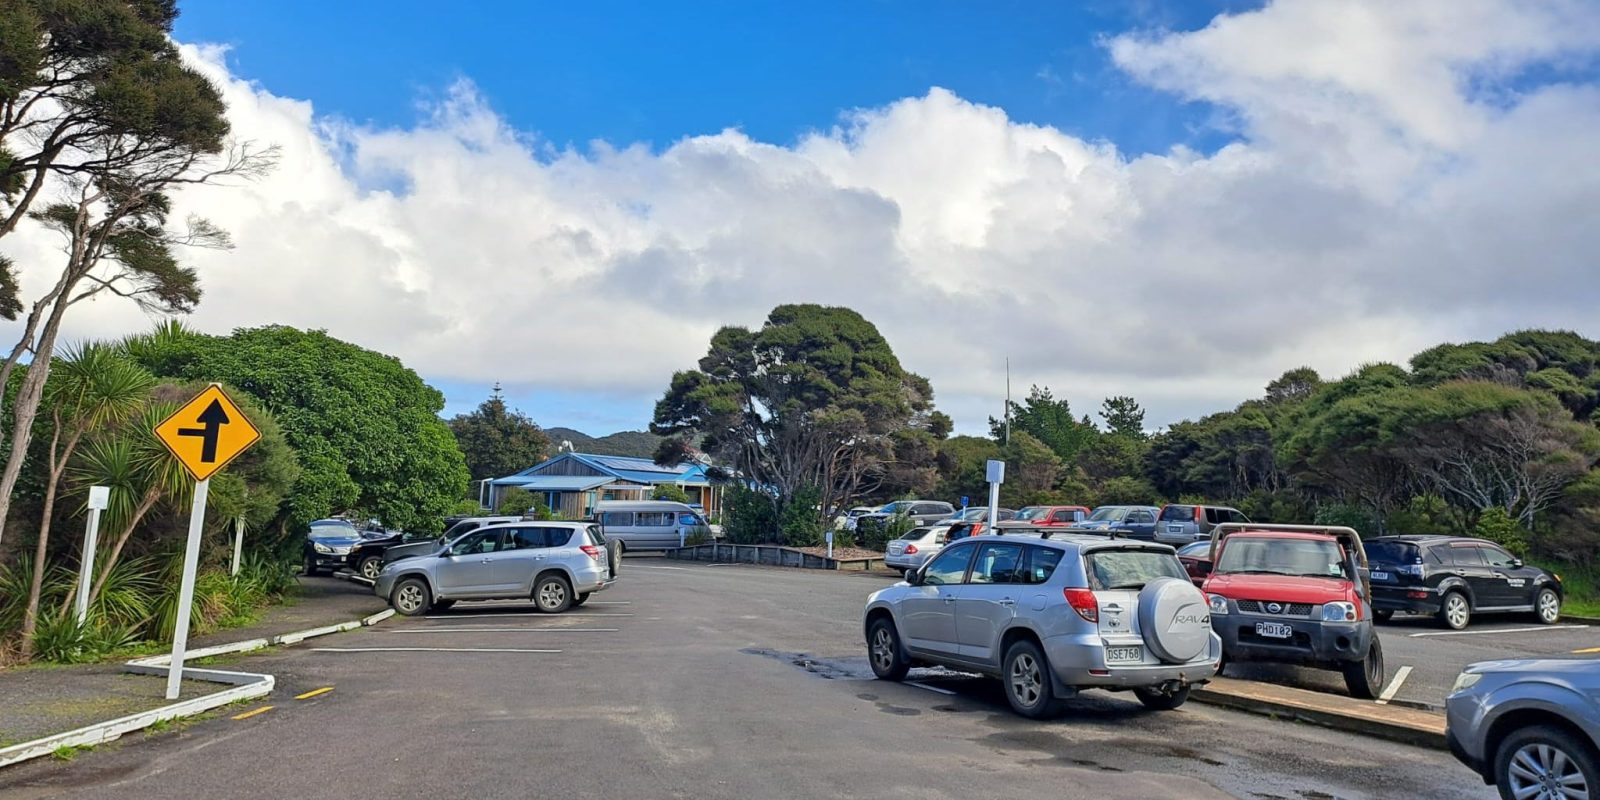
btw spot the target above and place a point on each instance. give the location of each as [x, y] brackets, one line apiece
[830, 543]
[99, 499]
[996, 474]
[238, 544]
[205, 434]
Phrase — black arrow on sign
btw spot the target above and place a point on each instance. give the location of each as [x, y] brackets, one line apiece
[213, 418]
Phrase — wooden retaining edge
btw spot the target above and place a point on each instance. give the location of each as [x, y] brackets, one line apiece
[1395, 724]
[243, 686]
[770, 555]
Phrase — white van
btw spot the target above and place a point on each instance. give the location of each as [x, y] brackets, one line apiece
[648, 524]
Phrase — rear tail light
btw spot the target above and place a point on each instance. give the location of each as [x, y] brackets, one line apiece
[1417, 595]
[592, 551]
[977, 528]
[911, 549]
[1085, 603]
[1199, 514]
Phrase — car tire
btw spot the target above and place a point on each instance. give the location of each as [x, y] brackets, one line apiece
[411, 597]
[1383, 616]
[1547, 606]
[1526, 756]
[442, 605]
[888, 661]
[311, 570]
[369, 567]
[552, 594]
[1455, 611]
[614, 557]
[1156, 700]
[581, 599]
[1029, 688]
[1364, 678]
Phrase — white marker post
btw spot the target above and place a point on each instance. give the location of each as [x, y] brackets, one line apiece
[996, 474]
[99, 500]
[191, 559]
[830, 543]
[238, 543]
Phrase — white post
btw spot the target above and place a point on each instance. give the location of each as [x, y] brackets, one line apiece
[830, 543]
[191, 560]
[238, 544]
[99, 498]
[996, 473]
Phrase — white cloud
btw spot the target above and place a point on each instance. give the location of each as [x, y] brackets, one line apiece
[1393, 186]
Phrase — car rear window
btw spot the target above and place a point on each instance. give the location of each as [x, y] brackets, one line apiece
[915, 535]
[596, 536]
[1178, 513]
[1393, 552]
[1042, 563]
[1130, 569]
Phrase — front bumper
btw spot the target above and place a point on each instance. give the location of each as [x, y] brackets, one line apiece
[384, 585]
[330, 560]
[1079, 662]
[1459, 717]
[1312, 642]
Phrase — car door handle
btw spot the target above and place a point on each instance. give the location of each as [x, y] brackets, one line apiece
[483, 561]
[1008, 602]
[949, 599]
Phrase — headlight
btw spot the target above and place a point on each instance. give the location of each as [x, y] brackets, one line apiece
[322, 548]
[1466, 680]
[1339, 612]
[1217, 603]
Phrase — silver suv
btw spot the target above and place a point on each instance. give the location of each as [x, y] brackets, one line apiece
[1530, 727]
[1049, 617]
[556, 564]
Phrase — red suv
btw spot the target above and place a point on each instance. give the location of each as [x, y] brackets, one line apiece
[1295, 594]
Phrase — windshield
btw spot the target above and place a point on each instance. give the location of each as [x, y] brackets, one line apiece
[1033, 513]
[1393, 552]
[1112, 513]
[1130, 569]
[332, 528]
[1306, 558]
[974, 514]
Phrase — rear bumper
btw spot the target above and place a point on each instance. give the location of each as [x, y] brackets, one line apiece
[591, 580]
[904, 561]
[1313, 642]
[1080, 662]
[1396, 599]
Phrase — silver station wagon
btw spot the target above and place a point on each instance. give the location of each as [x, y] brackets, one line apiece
[1050, 616]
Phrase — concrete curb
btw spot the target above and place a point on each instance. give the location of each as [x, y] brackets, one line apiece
[243, 686]
[1388, 722]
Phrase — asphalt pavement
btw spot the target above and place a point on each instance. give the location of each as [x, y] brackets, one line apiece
[688, 680]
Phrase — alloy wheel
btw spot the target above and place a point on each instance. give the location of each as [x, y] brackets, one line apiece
[370, 568]
[1549, 606]
[1026, 682]
[552, 594]
[1456, 610]
[409, 598]
[882, 650]
[1539, 770]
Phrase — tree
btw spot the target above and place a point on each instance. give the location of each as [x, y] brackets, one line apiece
[1296, 384]
[1123, 417]
[94, 387]
[962, 461]
[366, 429]
[498, 441]
[1048, 420]
[670, 493]
[1032, 471]
[815, 397]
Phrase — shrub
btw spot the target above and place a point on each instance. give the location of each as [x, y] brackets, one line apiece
[669, 492]
[1497, 526]
[1124, 490]
[466, 507]
[876, 535]
[1348, 516]
[750, 516]
[515, 502]
[799, 522]
[700, 535]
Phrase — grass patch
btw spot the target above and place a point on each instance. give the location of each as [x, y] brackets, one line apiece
[1581, 583]
[67, 752]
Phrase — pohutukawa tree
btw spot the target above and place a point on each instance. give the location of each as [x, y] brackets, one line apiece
[99, 113]
[813, 398]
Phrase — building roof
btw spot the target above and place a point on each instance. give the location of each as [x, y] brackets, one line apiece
[635, 470]
[553, 483]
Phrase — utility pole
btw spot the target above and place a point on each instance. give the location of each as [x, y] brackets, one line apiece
[1008, 401]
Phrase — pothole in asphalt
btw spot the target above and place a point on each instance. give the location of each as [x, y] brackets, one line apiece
[851, 669]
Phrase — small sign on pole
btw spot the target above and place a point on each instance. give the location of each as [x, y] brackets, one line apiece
[238, 543]
[995, 471]
[99, 500]
[204, 435]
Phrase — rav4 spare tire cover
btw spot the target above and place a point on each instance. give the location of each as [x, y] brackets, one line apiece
[1174, 619]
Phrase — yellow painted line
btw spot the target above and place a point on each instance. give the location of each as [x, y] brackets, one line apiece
[249, 714]
[1587, 650]
[313, 693]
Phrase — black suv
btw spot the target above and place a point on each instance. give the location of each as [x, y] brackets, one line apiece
[1453, 577]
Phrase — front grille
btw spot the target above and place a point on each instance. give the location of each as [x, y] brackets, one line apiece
[1285, 610]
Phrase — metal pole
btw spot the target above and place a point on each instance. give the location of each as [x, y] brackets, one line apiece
[91, 537]
[994, 504]
[191, 560]
[238, 543]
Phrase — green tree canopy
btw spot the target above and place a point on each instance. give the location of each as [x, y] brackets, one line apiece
[1049, 421]
[498, 441]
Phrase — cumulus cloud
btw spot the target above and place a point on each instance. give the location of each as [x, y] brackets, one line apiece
[1397, 179]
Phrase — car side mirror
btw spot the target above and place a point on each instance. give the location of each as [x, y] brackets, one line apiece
[915, 578]
[1516, 563]
[1203, 567]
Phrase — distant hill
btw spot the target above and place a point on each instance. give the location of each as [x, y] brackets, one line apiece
[639, 444]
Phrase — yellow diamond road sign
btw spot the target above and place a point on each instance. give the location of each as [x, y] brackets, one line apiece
[207, 433]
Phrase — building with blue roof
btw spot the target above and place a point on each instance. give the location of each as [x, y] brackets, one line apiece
[571, 483]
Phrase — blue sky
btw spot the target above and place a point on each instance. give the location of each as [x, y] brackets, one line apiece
[627, 72]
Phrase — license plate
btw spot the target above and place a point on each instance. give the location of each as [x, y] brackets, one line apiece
[1124, 655]
[1275, 630]
[1380, 576]
[1174, 529]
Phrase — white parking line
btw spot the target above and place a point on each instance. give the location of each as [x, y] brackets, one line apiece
[929, 688]
[1497, 630]
[724, 565]
[609, 603]
[523, 614]
[1394, 685]
[424, 650]
[487, 629]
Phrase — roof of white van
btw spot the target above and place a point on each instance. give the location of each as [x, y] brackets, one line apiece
[641, 505]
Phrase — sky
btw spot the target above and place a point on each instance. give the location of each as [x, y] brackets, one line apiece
[1172, 200]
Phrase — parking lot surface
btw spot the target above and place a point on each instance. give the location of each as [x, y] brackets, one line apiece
[690, 680]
